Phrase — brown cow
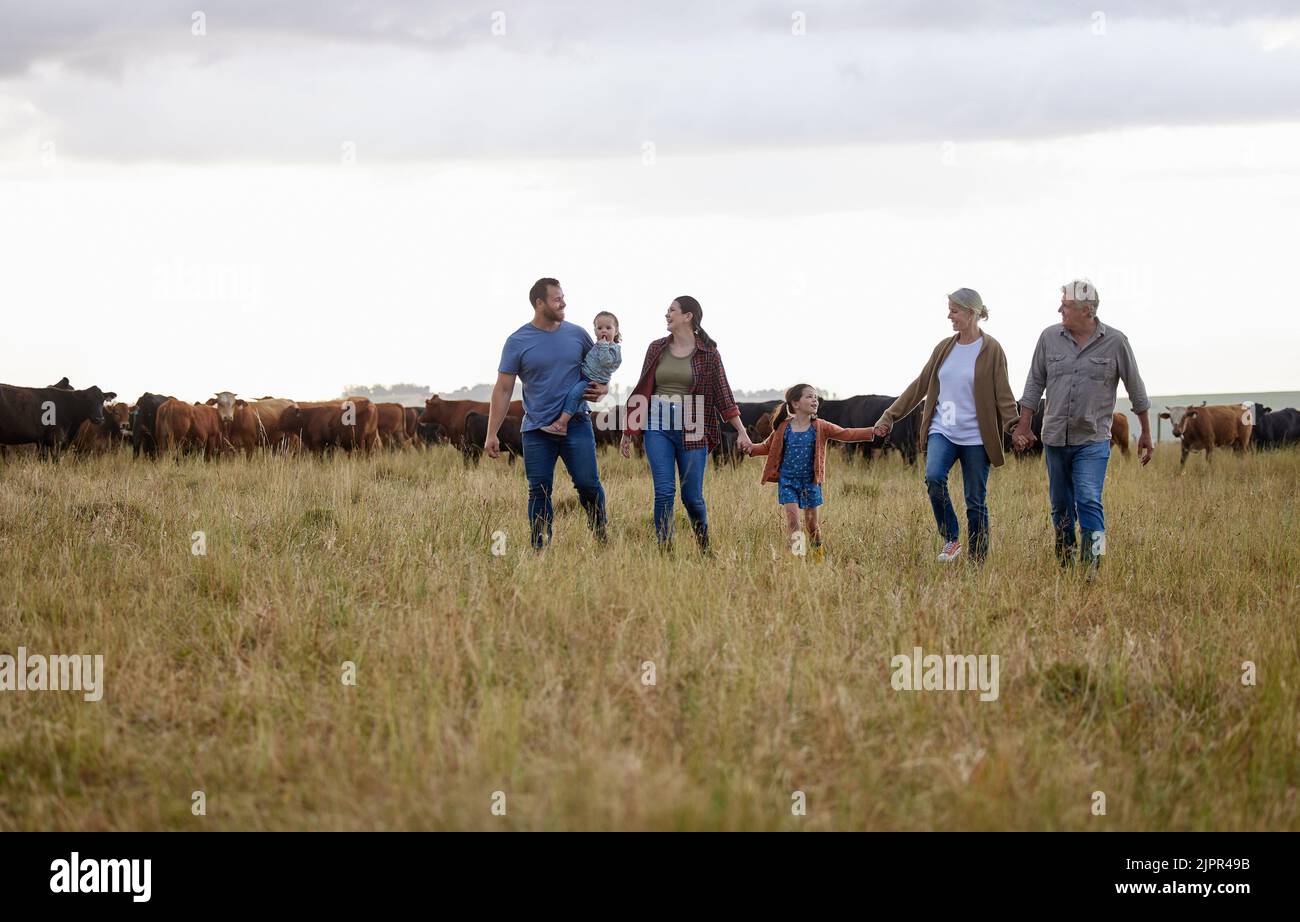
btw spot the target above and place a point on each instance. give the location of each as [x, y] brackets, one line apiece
[450, 414]
[411, 416]
[246, 424]
[392, 425]
[181, 425]
[349, 424]
[92, 439]
[1205, 428]
[1119, 432]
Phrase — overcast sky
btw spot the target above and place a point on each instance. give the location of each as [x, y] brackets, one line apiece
[284, 199]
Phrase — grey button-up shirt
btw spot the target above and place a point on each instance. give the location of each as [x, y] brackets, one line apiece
[1080, 383]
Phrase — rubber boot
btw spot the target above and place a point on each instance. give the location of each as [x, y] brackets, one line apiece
[702, 538]
[1065, 546]
[1091, 551]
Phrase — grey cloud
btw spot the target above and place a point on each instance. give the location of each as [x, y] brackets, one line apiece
[412, 81]
[76, 32]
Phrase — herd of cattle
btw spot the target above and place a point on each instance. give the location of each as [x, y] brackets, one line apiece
[89, 421]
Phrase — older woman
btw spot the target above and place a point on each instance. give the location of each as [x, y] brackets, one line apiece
[968, 407]
[678, 400]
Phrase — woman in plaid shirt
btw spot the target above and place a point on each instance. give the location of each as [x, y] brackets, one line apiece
[681, 395]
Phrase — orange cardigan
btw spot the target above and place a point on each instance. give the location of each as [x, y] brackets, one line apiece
[774, 444]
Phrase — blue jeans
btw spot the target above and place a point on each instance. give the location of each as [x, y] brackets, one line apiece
[578, 451]
[665, 449]
[940, 455]
[573, 400]
[1075, 477]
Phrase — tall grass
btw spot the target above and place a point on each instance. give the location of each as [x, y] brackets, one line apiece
[523, 673]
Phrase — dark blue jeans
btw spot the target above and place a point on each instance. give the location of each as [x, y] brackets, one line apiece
[940, 456]
[1075, 477]
[578, 451]
[665, 449]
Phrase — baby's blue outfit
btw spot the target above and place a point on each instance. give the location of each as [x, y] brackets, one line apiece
[601, 362]
[796, 482]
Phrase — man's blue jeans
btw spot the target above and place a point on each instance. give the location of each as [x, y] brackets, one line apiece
[1075, 477]
[665, 449]
[578, 451]
[940, 456]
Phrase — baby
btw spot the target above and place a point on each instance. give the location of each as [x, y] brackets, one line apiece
[603, 359]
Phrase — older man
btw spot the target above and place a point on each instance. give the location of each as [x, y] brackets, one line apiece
[1078, 362]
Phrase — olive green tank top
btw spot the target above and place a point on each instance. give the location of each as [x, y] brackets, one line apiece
[673, 376]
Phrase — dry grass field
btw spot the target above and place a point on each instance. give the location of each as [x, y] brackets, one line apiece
[523, 673]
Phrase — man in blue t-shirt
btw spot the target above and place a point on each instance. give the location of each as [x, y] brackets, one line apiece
[547, 353]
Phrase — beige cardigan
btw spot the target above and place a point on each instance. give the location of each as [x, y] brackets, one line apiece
[995, 407]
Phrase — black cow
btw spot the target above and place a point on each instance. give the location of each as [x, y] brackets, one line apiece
[860, 412]
[144, 417]
[512, 441]
[904, 436]
[431, 433]
[48, 416]
[750, 413]
[1275, 428]
[726, 452]
[605, 427]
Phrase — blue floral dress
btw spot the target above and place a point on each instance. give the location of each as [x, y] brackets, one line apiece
[796, 482]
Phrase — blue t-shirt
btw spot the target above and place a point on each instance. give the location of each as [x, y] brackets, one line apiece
[548, 364]
[797, 456]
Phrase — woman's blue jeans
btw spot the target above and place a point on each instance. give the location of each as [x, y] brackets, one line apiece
[940, 456]
[670, 459]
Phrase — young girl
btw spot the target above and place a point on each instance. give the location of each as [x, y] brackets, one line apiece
[602, 360]
[796, 459]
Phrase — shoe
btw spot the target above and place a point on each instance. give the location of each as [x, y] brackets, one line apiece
[951, 551]
[819, 552]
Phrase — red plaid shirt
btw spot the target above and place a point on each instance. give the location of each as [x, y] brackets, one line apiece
[708, 379]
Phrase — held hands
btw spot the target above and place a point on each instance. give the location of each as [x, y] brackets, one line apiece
[595, 391]
[625, 446]
[882, 432]
[743, 442]
[1022, 439]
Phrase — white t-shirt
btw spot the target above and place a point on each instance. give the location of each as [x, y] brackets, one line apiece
[954, 412]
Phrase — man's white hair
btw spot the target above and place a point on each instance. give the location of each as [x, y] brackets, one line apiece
[1084, 293]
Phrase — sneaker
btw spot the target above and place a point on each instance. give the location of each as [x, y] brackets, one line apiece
[951, 551]
[819, 552]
